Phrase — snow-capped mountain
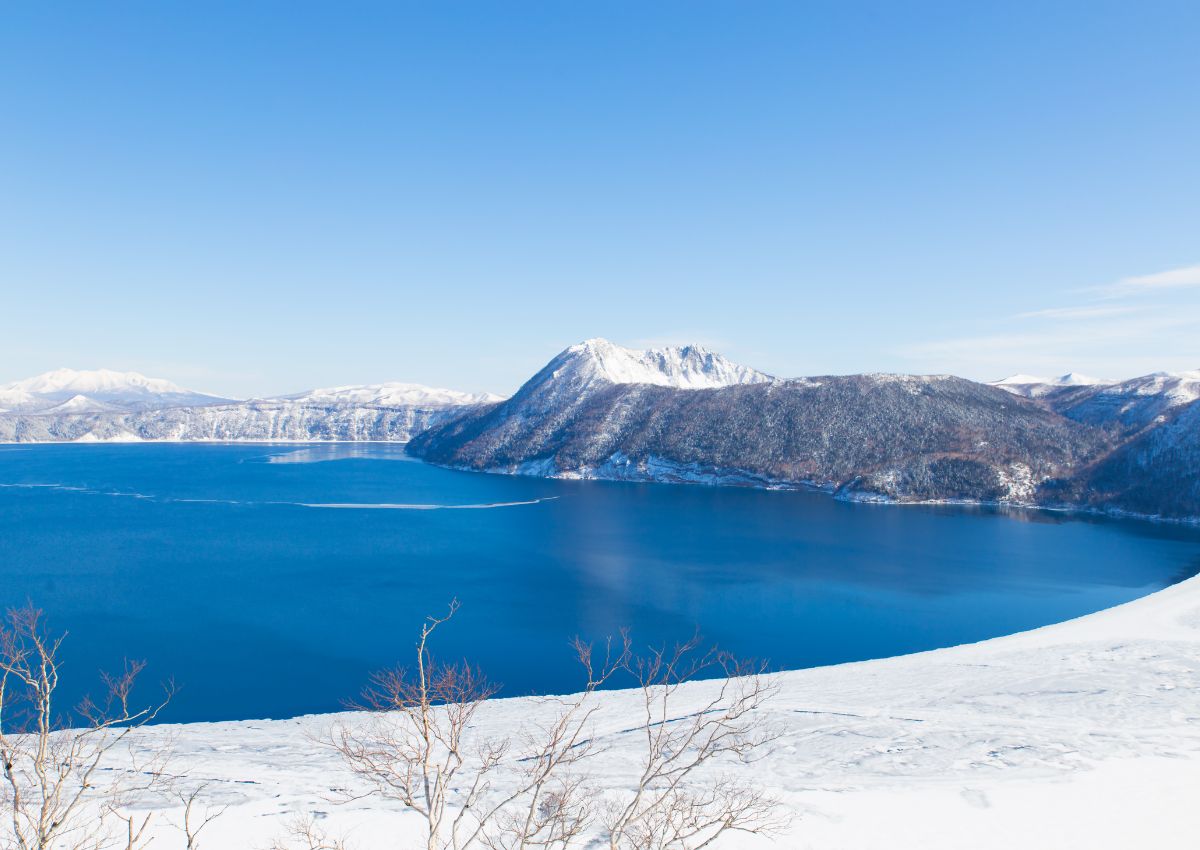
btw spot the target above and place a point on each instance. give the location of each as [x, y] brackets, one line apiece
[867, 436]
[98, 391]
[687, 367]
[124, 406]
[1129, 405]
[1032, 386]
[597, 364]
[1177, 388]
[392, 394]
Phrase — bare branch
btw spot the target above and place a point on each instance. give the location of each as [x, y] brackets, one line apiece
[59, 788]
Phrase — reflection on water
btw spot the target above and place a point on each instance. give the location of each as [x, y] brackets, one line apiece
[260, 606]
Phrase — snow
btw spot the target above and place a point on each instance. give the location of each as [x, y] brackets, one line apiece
[95, 391]
[393, 394]
[689, 367]
[93, 381]
[81, 404]
[1084, 734]
[1074, 379]
[1020, 380]
[1179, 388]
[1032, 386]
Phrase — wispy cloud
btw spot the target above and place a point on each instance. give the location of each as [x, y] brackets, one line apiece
[1180, 278]
[1073, 313]
[1135, 325]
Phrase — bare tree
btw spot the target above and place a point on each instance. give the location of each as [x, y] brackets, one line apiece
[413, 747]
[194, 821]
[676, 804]
[551, 805]
[303, 833]
[123, 799]
[58, 793]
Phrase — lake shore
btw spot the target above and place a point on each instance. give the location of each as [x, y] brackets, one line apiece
[1082, 734]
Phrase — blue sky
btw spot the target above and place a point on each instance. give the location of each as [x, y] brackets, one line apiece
[255, 198]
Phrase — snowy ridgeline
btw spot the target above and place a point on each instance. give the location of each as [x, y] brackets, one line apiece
[1080, 735]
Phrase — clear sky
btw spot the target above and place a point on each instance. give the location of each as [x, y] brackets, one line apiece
[257, 198]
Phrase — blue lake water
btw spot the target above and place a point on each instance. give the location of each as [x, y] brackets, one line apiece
[246, 572]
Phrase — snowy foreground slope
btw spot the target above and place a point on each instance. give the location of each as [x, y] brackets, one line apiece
[1084, 734]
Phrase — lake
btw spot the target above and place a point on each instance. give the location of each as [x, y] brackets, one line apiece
[269, 580]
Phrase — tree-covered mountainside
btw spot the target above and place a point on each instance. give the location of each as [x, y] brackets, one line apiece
[1155, 473]
[889, 436]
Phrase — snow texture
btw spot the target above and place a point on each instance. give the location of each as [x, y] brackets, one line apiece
[688, 367]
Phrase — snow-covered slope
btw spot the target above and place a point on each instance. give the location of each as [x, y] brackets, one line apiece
[1032, 386]
[1131, 404]
[1079, 736]
[688, 367]
[106, 406]
[96, 390]
[1176, 388]
[392, 394]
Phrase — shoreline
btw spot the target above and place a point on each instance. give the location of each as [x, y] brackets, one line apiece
[995, 744]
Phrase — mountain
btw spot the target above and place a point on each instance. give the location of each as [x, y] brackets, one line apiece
[867, 436]
[1155, 472]
[393, 394]
[1072, 441]
[114, 406]
[596, 362]
[1034, 387]
[98, 390]
[259, 421]
[1130, 405]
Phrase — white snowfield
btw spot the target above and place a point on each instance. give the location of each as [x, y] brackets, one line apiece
[1084, 734]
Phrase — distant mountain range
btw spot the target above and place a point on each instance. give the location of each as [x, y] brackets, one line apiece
[97, 391]
[104, 406]
[685, 414]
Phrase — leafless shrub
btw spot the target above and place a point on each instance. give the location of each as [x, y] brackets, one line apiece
[551, 806]
[413, 748]
[675, 804]
[304, 833]
[58, 791]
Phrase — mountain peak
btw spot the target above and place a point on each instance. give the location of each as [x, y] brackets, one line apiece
[95, 390]
[91, 381]
[689, 367]
[1032, 386]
